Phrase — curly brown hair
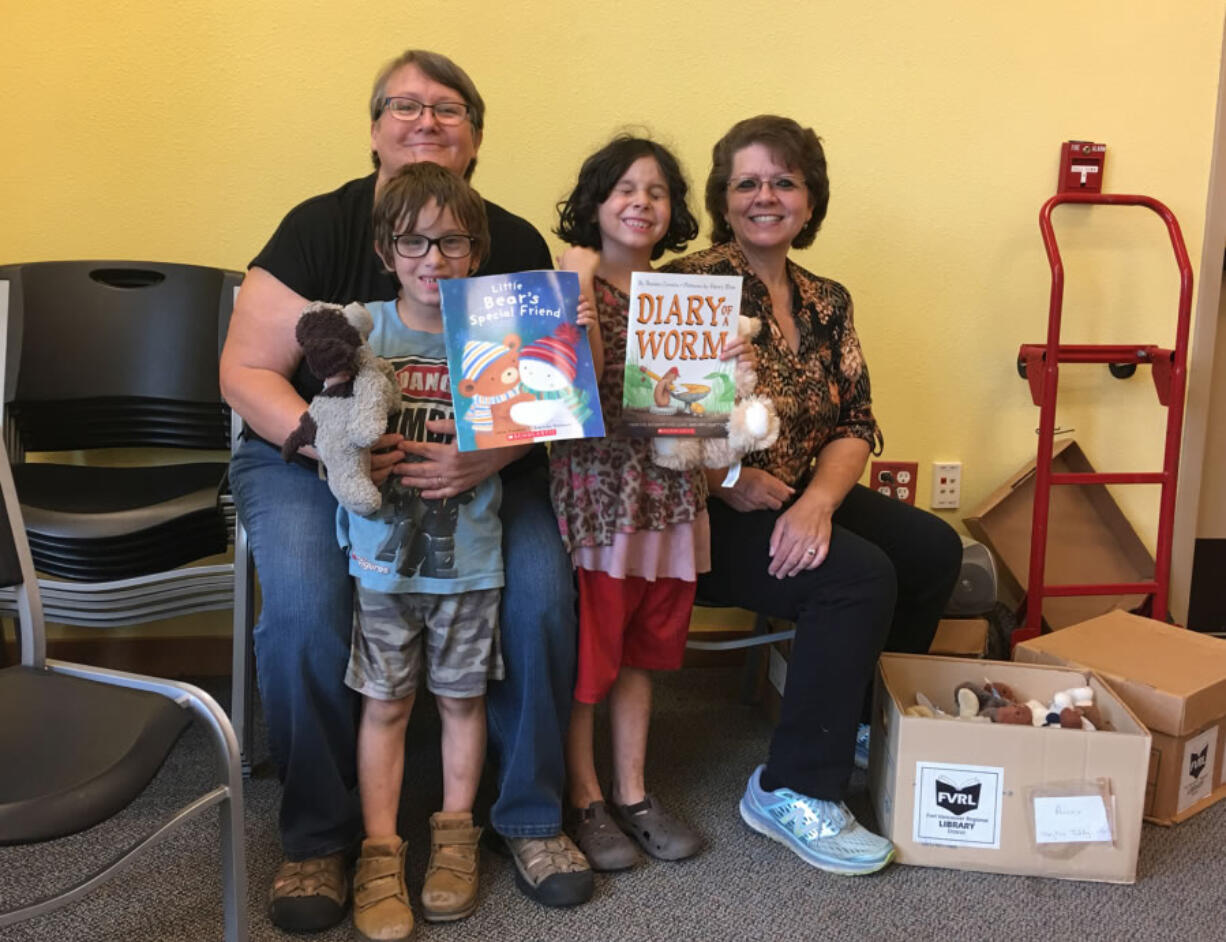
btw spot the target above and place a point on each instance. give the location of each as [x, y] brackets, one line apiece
[599, 175]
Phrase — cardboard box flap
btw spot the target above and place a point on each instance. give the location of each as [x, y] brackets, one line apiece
[1089, 540]
[963, 637]
[1174, 679]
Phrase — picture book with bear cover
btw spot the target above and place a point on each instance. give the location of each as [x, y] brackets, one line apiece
[520, 364]
[676, 383]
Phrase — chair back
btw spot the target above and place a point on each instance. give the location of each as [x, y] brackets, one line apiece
[17, 570]
[107, 354]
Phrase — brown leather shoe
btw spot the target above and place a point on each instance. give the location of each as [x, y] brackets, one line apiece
[381, 911]
[309, 895]
[450, 890]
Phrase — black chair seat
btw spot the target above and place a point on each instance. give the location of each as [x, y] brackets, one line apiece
[55, 497]
[88, 750]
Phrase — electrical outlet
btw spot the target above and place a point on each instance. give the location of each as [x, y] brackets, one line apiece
[946, 484]
[894, 479]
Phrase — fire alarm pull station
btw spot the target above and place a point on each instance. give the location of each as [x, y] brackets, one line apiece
[1081, 167]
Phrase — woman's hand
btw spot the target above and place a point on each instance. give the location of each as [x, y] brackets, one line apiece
[385, 453]
[444, 470]
[755, 489]
[801, 537]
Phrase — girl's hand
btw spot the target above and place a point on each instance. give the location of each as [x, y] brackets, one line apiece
[587, 313]
[738, 347]
[755, 489]
[801, 538]
[385, 453]
[578, 258]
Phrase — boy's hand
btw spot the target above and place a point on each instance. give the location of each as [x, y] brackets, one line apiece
[444, 470]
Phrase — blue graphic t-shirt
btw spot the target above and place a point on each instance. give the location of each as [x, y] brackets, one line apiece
[440, 546]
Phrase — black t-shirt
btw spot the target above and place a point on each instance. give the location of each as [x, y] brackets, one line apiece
[324, 251]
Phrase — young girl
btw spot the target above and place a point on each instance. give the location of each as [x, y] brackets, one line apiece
[637, 532]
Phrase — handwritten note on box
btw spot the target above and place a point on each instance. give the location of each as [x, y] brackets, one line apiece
[1073, 819]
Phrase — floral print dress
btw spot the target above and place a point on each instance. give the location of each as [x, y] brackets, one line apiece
[618, 511]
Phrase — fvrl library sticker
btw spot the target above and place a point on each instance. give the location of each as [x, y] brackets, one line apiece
[958, 804]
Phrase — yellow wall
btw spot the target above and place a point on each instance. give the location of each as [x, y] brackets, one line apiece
[183, 131]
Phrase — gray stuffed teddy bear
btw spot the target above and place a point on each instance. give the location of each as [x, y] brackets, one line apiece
[360, 392]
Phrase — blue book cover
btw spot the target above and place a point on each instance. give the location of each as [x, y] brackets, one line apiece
[520, 365]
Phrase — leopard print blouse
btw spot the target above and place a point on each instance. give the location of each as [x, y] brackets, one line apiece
[604, 486]
[821, 391]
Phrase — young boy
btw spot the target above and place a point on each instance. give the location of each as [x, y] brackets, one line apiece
[428, 573]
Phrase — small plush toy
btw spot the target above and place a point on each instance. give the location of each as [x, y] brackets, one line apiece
[1074, 708]
[359, 394]
[752, 425]
[996, 702]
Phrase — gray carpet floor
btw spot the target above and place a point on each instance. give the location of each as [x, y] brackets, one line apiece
[704, 745]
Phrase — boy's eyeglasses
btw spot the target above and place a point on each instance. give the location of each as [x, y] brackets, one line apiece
[410, 109]
[408, 245]
[747, 186]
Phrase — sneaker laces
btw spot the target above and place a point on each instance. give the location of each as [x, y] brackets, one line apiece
[811, 818]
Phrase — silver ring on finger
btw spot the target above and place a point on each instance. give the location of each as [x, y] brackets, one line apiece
[811, 552]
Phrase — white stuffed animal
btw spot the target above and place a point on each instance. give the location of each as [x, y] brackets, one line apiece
[752, 424]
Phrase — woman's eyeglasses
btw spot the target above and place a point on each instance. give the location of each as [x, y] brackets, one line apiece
[410, 109]
[749, 186]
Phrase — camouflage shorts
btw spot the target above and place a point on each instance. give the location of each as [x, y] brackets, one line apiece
[462, 648]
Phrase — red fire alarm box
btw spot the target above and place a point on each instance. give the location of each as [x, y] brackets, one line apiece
[1081, 167]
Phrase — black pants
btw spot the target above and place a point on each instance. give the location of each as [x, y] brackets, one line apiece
[884, 584]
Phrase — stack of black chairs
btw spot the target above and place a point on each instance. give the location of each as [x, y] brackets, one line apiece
[112, 368]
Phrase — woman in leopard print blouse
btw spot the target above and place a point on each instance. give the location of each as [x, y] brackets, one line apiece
[794, 536]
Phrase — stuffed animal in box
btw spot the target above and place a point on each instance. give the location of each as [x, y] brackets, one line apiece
[752, 425]
[360, 393]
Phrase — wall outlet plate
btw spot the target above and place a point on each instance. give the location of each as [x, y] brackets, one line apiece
[895, 479]
[946, 485]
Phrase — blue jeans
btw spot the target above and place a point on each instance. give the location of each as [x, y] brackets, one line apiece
[302, 649]
[529, 710]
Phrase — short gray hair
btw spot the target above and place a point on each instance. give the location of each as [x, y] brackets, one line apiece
[435, 66]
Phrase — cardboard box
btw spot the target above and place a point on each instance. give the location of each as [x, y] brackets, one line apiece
[961, 637]
[1175, 682]
[1005, 799]
[1089, 540]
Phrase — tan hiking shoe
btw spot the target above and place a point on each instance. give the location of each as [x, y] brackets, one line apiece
[381, 911]
[309, 895]
[450, 890]
[551, 870]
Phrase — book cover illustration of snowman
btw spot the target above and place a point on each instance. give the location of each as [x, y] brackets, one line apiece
[520, 366]
[676, 383]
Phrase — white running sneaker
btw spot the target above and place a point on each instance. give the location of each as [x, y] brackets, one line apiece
[824, 834]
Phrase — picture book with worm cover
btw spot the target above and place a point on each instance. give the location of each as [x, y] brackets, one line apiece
[676, 383]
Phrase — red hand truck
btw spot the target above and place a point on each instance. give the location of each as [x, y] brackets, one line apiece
[1041, 363]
